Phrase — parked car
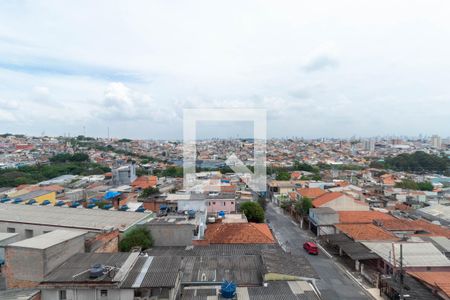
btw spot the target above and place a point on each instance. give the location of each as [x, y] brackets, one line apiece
[311, 248]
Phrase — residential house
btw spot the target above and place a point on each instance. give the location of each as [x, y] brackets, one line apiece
[339, 201]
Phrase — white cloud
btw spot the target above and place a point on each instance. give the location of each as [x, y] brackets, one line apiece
[144, 62]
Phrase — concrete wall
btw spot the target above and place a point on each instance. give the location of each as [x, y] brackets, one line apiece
[26, 267]
[172, 234]
[196, 205]
[5, 242]
[103, 242]
[21, 227]
[323, 219]
[89, 294]
[216, 205]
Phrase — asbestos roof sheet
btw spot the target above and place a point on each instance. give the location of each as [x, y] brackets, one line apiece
[88, 219]
[287, 264]
[243, 269]
[76, 268]
[414, 254]
[152, 271]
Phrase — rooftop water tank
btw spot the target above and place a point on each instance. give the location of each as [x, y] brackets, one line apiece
[96, 271]
[140, 209]
[228, 289]
[60, 203]
[107, 206]
[31, 201]
[124, 207]
[221, 214]
[17, 200]
[45, 202]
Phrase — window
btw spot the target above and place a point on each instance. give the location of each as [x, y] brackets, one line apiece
[28, 233]
[224, 203]
[214, 203]
[209, 203]
[103, 293]
[10, 230]
[62, 295]
[232, 202]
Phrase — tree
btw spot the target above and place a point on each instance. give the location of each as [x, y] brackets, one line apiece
[302, 207]
[262, 202]
[285, 203]
[147, 192]
[412, 185]
[138, 237]
[253, 211]
[283, 176]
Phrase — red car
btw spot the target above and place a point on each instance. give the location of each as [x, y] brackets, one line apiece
[311, 248]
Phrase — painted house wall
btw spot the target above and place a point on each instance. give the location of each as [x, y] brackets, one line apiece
[217, 205]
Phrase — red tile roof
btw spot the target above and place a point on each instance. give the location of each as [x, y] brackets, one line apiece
[325, 198]
[144, 182]
[241, 233]
[433, 229]
[440, 280]
[425, 228]
[360, 217]
[312, 193]
[366, 232]
[397, 225]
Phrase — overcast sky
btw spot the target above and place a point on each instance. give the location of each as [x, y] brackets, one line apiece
[320, 68]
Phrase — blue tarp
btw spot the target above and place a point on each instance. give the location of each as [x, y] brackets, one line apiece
[110, 194]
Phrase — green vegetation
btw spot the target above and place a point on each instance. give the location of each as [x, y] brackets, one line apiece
[124, 140]
[62, 165]
[305, 167]
[67, 157]
[418, 162]
[303, 205]
[262, 202]
[148, 192]
[283, 176]
[342, 167]
[169, 172]
[138, 237]
[413, 185]
[253, 211]
[285, 203]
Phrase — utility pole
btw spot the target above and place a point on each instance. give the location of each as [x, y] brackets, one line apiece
[401, 272]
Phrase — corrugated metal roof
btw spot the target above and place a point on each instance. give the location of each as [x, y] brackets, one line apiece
[96, 219]
[18, 294]
[76, 268]
[243, 269]
[288, 264]
[161, 272]
[414, 254]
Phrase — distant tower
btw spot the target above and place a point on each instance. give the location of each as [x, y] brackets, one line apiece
[369, 145]
[436, 141]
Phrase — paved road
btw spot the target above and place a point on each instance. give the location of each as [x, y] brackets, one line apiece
[334, 283]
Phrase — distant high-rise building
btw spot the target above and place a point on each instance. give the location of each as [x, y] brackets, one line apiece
[436, 141]
[369, 145]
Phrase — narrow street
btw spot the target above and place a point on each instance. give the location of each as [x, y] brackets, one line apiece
[334, 283]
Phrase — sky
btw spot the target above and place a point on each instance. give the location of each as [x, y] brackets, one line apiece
[320, 68]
